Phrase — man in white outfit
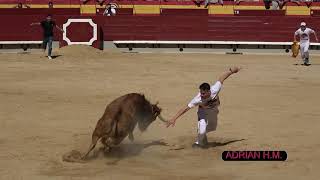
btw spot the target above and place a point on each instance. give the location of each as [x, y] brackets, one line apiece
[304, 33]
[207, 101]
[110, 10]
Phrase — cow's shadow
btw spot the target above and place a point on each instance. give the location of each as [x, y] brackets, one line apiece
[132, 149]
[125, 150]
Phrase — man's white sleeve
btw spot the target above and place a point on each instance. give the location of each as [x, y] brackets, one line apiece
[216, 87]
[195, 101]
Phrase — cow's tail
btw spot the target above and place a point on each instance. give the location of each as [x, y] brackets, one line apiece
[92, 146]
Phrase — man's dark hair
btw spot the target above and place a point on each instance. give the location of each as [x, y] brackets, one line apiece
[204, 87]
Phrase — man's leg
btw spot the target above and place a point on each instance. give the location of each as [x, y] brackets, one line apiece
[50, 39]
[44, 43]
[302, 51]
[202, 137]
[306, 54]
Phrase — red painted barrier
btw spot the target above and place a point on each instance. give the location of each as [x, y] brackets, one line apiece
[315, 12]
[88, 32]
[17, 28]
[177, 28]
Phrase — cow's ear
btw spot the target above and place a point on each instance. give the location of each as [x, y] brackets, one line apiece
[157, 103]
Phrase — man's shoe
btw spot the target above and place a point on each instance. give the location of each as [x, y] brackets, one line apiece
[195, 145]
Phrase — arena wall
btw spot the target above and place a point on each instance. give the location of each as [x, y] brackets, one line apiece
[172, 25]
[175, 27]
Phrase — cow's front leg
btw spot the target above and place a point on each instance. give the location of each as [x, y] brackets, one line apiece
[107, 142]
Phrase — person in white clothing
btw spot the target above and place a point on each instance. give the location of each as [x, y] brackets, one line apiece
[207, 101]
[304, 34]
[110, 10]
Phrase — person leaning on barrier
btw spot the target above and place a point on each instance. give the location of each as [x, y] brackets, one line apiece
[20, 5]
[208, 2]
[50, 4]
[110, 10]
[100, 2]
[84, 1]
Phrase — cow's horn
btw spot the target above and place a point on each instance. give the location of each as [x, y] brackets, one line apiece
[162, 119]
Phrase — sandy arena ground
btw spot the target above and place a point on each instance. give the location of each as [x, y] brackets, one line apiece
[49, 108]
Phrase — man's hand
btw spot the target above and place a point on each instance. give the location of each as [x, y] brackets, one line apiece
[235, 69]
[171, 122]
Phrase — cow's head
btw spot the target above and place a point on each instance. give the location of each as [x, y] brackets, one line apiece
[152, 116]
[156, 110]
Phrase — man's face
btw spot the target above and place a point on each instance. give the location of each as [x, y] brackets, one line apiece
[205, 93]
[48, 18]
[303, 28]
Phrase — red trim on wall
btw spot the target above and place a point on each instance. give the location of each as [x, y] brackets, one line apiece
[144, 2]
[43, 11]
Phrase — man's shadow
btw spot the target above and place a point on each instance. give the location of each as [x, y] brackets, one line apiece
[297, 64]
[216, 144]
[55, 56]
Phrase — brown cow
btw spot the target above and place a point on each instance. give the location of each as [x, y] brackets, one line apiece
[120, 118]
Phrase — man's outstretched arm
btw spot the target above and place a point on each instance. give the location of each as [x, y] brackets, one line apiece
[179, 113]
[228, 73]
[60, 29]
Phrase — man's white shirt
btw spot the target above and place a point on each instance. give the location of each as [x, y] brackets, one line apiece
[214, 92]
[304, 35]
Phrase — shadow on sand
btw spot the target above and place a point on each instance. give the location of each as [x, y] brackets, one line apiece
[55, 56]
[216, 144]
[124, 151]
